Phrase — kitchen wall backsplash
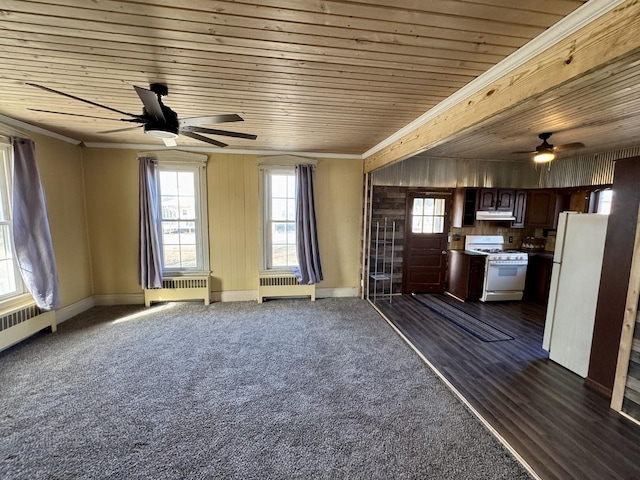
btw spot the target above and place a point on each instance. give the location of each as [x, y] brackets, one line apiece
[516, 235]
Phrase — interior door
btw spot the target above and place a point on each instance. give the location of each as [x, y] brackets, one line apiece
[425, 246]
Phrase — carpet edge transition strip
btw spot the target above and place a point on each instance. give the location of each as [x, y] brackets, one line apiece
[458, 394]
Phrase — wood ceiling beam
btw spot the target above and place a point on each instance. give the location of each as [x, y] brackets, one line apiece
[610, 38]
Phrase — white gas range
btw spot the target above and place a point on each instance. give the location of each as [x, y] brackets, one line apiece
[505, 270]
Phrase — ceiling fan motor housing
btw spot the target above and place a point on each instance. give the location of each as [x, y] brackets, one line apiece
[162, 129]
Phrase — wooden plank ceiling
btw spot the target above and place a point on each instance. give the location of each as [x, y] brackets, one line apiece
[306, 75]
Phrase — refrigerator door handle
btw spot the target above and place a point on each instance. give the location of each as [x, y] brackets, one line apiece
[551, 306]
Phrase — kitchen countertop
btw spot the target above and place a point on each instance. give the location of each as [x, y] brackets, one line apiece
[543, 254]
[471, 253]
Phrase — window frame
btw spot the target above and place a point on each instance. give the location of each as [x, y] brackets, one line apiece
[599, 202]
[6, 176]
[174, 160]
[267, 220]
[265, 165]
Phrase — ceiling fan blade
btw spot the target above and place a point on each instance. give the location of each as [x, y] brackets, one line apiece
[170, 142]
[47, 89]
[569, 146]
[122, 129]
[209, 119]
[226, 133]
[523, 151]
[150, 102]
[204, 139]
[78, 115]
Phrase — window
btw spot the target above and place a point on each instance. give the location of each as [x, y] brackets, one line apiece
[10, 281]
[427, 215]
[182, 226]
[603, 204]
[280, 218]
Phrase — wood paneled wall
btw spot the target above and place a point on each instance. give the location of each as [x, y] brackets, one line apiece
[387, 203]
[631, 402]
[614, 281]
[233, 221]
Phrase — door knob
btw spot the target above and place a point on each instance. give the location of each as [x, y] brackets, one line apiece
[444, 252]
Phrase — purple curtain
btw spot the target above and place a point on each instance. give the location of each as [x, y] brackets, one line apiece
[309, 269]
[150, 271]
[31, 233]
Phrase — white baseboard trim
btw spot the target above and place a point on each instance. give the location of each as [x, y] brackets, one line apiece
[235, 296]
[337, 292]
[65, 313]
[120, 299]
[225, 296]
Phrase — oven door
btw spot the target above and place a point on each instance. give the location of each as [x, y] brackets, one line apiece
[504, 282]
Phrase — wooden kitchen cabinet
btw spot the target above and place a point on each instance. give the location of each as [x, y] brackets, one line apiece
[519, 209]
[543, 207]
[464, 207]
[465, 275]
[496, 199]
[538, 281]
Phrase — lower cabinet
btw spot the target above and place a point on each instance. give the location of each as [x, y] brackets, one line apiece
[538, 281]
[465, 275]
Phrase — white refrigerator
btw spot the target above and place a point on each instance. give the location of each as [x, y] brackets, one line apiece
[575, 281]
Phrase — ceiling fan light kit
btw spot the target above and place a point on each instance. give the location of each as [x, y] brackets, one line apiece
[546, 152]
[159, 121]
[543, 157]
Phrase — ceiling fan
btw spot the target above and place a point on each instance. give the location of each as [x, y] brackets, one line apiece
[545, 152]
[158, 120]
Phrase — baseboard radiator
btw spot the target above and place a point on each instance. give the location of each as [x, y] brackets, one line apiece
[179, 288]
[283, 285]
[18, 324]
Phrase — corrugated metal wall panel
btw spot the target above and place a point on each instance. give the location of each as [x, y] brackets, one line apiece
[451, 173]
[582, 170]
[595, 169]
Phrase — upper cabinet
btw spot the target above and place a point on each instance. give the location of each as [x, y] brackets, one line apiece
[496, 199]
[519, 208]
[543, 207]
[464, 207]
[537, 208]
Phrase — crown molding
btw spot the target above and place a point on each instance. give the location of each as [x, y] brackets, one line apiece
[570, 24]
[172, 155]
[32, 128]
[138, 146]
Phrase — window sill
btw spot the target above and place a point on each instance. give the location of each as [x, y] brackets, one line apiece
[183, 274]
[277, 271]
[16, 303]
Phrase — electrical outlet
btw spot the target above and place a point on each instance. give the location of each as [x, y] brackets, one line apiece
[510, 239]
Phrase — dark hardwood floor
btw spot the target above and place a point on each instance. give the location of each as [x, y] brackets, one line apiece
[559, 427]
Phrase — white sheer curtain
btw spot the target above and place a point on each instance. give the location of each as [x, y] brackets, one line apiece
[309, 268]
[31, 233]
[150, 268]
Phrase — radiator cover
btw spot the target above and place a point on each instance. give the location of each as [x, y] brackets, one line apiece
[179, 288]
[20, 323]
[280, 285]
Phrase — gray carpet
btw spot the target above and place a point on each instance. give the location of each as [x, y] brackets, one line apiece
[286, 389]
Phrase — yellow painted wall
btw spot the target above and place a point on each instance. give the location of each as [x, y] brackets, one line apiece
[232, 182]
[233, 203]
[111, 177]
[61, 173]
[339, 216]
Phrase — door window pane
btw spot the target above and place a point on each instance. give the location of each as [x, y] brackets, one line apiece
[427, 215]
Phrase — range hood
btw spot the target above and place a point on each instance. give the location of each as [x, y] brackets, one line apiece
[495, 216]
